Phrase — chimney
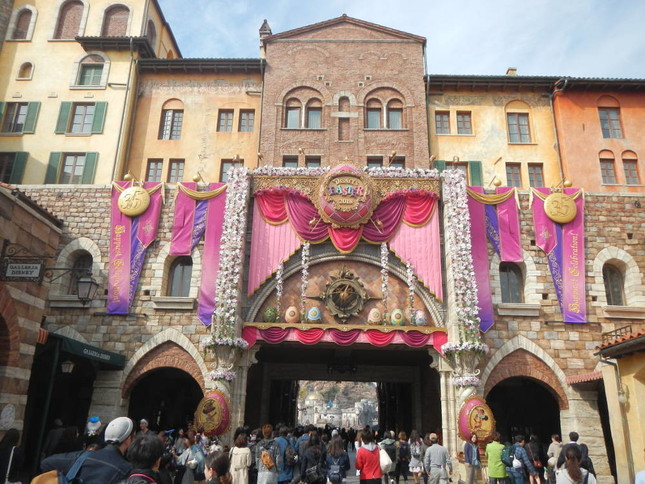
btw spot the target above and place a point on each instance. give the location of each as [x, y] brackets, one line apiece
[511, 71]
[265, 31]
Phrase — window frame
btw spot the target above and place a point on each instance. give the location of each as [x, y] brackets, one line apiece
[81, 24]
[176, 167]
[313, 161]
[632, 176]
[171, 124]
[442, 122]
[374, 162]
[604, 164]
[28, 126]
[614, 290]
[66, 114]
[511, 291]
[292, 114]
[56, 166]
[290, 161]
[373, 114]
[246, 123]
[156, 165]
[610, 127]
[511, 180]
[225, 120]
[464, 123]
[225, 166]
[107, 11]
[533, 170]
[13, 171]
[521, 138]
[180, 287]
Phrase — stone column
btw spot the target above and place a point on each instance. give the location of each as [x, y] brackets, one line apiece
[107, 402]
[448, 410]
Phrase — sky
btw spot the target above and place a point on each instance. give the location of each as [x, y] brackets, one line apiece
[578, 38]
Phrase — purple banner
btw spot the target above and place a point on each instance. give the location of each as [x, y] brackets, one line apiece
[565, 249]
[492, 227]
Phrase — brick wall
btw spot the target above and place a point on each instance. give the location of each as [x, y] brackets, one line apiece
[6, 6]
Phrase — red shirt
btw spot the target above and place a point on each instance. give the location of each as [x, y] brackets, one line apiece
[369, 463]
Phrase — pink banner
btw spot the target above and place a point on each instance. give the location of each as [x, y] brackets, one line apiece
[183, 222]
[509, 228]
[479, 250]
[427, 262]
[333, 335]
[270, 245]
[120, 257]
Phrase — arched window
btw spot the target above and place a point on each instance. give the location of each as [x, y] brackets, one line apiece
[607, 167]
[69, 20]
[343, 104]
[313, 118]
[518, 122]
[395, 114]
[151, 34]
[90, 72]
[511, 282]
[609, 113]
[181, 270]
[373, 111]
[292, 113]
[26, 71]
[115, 22]
[23, 22]
[82, 265]
[172, 120]
[630, 167]
[614, 285]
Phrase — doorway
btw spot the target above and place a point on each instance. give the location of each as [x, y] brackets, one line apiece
[166, 398]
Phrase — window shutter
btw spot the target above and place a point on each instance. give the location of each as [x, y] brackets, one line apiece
[90, 168]
[63, 117]
[51, 176]
[18, 169]
[1, 111]
[32, 116]
[99, 118]
[440, 165]
[475, 171]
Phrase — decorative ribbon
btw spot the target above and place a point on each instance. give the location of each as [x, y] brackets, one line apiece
[129, 239]
[197, 215]
[564, 245]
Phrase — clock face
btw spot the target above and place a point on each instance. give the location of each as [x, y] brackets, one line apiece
[345, 295]
[7, 417]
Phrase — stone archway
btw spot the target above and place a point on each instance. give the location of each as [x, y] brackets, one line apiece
[166, 355]
[521, 363]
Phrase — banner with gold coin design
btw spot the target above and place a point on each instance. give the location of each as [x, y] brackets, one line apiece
[134, 222]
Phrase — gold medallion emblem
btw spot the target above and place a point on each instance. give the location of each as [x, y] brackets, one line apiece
[560, 208]
[133, 201]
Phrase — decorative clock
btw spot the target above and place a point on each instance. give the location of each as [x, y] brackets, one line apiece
[344, 296]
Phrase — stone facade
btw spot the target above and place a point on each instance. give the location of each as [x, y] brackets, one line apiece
[5, 15]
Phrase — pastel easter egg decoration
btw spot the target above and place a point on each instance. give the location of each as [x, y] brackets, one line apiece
[397, 318]
[314, 315]
[374, 317]
[292, 315]
[420, 318]
[270, 314]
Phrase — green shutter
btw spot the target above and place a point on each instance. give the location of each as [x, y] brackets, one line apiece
[18, 168]
[63, 117]
[32, 116]
[440, 165]
[51, 176]
[90, 168]
[99, 118]
[475, 172]
[2, 105]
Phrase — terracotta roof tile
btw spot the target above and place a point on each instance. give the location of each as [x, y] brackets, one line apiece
[624, 339]
[584, 377]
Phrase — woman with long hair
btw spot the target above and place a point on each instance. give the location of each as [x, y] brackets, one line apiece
[368, 460]
[240, 460]
[337, 460]
[534, 451]
[313, 456]
[471, 459]
[416, 456]
[572, 473]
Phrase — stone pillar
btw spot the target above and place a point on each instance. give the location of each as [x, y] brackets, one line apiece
[238, 390]
[107, 402]
[448, 401]
[582, 417]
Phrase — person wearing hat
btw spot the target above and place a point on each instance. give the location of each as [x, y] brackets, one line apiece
[105, 466]
[437, 461]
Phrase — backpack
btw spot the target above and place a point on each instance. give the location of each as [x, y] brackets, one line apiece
[508, 454]
[404, 451]
[290, 455]
[334, 474]
[391, 450]
[267, 461]
[57, 477]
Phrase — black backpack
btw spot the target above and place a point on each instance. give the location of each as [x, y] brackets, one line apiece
[391, 450]
[334, 474]
[508, 454]
[290, 455]
[404, 451]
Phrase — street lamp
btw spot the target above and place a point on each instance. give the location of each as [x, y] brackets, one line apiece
[86, 285]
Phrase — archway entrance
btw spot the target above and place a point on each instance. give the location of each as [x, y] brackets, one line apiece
[166, 397]
[407, 388]
[524, 406]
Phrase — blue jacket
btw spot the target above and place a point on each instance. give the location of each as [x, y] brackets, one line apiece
[285, 471]
[471, 451]
[105, 466]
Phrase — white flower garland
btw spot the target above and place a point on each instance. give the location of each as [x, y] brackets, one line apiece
[283, 171]
[385, 286]
[411, 280]
[466, 381]
[279, 287]
[213, 340]
[231, 254]
[395, 172]
[306, 246]
[458, 251]
[227, 375]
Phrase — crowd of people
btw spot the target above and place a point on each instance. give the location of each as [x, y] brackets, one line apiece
[117, 454]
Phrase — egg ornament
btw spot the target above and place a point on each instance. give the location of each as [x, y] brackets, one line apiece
[292, 315]
[397, 318]
[314, 315]
[270, 314]
[420, 318]
[374, 317]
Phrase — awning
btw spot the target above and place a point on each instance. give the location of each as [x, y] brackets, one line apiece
[90, 352]
[584, 377]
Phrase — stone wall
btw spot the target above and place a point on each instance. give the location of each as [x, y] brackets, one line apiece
[6, 6]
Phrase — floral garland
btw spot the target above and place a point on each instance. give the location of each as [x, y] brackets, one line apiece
[466, 381]
[396, 172]
[279, 288]
[411, 280]
[231, 255]
[306, 247]
[385, 287]
[227, 375]
[213, 341]
[458, 251]
[284, 171]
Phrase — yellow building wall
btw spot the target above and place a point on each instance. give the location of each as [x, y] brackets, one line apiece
[488, 142]
[632, 372]
[201, 145]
